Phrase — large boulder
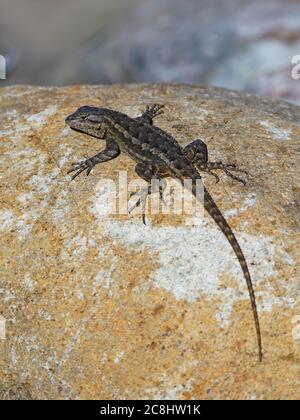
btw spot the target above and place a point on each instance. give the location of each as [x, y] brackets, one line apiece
[97, 305]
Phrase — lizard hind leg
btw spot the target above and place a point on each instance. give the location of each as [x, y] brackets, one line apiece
[196, 151]
[153, 173]
[198, 155]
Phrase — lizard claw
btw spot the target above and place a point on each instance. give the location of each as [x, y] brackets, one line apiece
[235, 177]
[142, 200]
[232, 167]
[81, 166]
[161, 196]
[215, 175]
[155, 110]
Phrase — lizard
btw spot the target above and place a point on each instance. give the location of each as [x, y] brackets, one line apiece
[158, 155]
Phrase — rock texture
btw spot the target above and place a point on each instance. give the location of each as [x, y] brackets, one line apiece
[99, 306]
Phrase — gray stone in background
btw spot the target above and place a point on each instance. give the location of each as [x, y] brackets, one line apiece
[234, 44]
[36, 37]
[10, 54]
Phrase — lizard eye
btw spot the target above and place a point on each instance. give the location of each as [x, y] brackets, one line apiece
[92, 118]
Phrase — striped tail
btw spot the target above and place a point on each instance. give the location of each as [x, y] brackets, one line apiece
[211, 207]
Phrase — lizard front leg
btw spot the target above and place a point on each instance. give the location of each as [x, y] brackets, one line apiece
[110, 152]
[198, 155]
[151, 112]
[153, 173]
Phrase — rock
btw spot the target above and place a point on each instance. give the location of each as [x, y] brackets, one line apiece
[99, 306]
[229, 44]
[15, 392]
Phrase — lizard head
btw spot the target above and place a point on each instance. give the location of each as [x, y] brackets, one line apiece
[88, 120]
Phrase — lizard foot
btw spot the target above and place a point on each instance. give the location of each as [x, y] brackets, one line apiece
[155, 110]
[209, 172]
[141, 200]
[232, 167]
[81, 166]
[227, 168]
[159, 187]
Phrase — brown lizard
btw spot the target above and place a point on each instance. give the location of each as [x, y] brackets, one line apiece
[158, 155]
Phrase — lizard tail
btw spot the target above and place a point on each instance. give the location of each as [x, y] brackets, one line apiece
[211, 207]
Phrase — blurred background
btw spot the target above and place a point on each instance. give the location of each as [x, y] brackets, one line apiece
[237, 44]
